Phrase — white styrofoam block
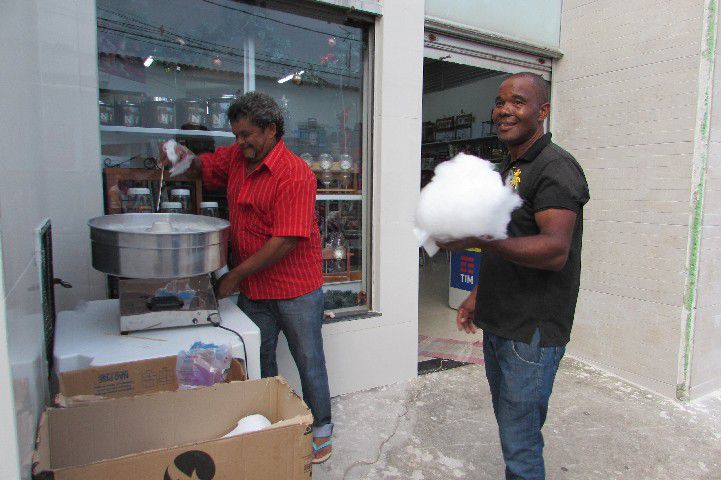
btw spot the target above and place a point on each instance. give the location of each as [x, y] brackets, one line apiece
[89, 336]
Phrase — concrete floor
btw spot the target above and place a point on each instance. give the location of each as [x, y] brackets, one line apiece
[441, 426]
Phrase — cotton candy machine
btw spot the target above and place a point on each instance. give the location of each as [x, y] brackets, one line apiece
[164, 262]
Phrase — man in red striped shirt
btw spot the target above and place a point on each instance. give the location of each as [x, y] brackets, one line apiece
[276, 246]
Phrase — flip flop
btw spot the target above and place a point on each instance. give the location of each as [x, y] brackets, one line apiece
[317, 448]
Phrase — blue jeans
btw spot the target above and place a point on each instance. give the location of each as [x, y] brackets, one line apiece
[300, 319]
[521, 378]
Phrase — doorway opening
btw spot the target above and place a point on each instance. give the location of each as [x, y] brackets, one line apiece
[460, 82]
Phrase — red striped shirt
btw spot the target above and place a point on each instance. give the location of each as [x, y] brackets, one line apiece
[276, 199]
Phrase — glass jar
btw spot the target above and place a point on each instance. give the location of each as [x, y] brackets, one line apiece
[345, 161]
[326, 161]
[171, 207]
[218, 108]
[209, 209]
[128, 114]
[346, 175]
[326, 164]
[159, 112]
[337, 242]
[307, 158]
[346, 179]
[138, 201]
[182, 196]
[107, 113]
[313, 133]
[190, 111]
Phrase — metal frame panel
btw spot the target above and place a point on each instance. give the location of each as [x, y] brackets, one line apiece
[489, 38]
[442, 46]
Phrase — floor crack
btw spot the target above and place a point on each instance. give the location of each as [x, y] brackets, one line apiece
[406, 406]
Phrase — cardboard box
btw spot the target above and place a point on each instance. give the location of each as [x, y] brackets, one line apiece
[178, 435]
[125, 379]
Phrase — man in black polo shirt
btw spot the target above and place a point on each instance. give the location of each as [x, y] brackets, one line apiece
[528, 285]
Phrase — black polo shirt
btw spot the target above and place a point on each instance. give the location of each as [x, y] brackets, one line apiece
[513, 300]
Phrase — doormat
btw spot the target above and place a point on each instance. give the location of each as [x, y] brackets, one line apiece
[449, 349]
[438, 365]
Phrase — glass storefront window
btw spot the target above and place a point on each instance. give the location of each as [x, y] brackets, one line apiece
[170, 69]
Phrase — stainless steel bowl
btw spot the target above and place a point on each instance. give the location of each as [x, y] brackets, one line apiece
[158, 245]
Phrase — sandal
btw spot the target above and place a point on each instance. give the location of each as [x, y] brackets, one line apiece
[318, 457]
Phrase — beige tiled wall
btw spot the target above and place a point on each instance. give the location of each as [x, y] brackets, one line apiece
[625, 96]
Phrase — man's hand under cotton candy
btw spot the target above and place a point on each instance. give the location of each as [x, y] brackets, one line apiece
[465, 243]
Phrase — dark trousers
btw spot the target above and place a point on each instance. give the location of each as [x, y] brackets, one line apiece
[300, 319]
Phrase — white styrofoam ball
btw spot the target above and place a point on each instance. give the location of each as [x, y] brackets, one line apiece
[251, 423]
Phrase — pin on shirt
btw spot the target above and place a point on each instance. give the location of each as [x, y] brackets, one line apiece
[516, 178]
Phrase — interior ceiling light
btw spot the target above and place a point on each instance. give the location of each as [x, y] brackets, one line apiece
[290, 77]
[148, 61]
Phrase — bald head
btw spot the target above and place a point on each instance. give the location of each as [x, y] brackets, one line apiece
[520, 110]
[540, 86]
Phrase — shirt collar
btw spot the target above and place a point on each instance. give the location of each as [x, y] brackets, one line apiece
[272, 159]
[531, 154]
[536, 148]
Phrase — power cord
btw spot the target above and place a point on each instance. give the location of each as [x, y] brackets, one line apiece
[245, 353]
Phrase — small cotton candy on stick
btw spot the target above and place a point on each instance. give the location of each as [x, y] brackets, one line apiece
[180, 165]
[169, 148]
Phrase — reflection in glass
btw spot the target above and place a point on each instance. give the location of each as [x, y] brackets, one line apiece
[307, 158]
[346, 177]
[326, 163]
[172, 64]
[336, 241]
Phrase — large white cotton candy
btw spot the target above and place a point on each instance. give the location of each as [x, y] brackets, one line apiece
[466, 198]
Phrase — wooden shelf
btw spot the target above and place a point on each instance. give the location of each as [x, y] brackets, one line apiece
[336, 176]
[342, 276]
[330, 278]
[115, 176]
[335, 168]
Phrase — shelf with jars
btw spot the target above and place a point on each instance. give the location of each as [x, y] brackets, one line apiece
[335, 176]
[139, 115]
[339, 221]
[451, 135]
[159, 81]
[458, 140]
[136, 190]
[489, 148]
